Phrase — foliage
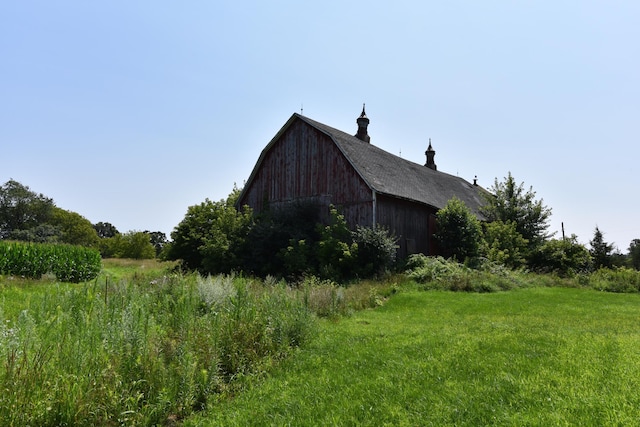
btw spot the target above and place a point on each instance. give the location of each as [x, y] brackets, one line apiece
[141, 351]
[459, 231]
[377, 250]
[511, 203]
[615, 280]
[68, 263]
[76, 229]
[134, 244]
[158, 240]
[105, 229]
[447, 274]
[564, 257]
[601, 251]
[282, 239]
[503, 244]
[634, 253]
[22, 209]
[336, 253]
[210, 237]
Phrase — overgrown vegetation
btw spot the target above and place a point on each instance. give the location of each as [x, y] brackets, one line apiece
[139, 352]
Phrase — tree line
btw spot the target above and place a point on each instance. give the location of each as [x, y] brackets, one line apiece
[32, 217]
[299, 239]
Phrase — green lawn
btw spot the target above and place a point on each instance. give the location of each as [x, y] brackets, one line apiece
[538, 356]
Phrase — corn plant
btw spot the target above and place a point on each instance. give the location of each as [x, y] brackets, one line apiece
[32, 260]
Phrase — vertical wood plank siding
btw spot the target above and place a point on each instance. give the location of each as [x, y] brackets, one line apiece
[305, 164]
[409, 222]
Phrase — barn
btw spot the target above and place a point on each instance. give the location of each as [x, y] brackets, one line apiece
[308, 161]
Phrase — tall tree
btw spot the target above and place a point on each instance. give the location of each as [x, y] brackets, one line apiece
[22, 209]
[600, 250]
[510, 202]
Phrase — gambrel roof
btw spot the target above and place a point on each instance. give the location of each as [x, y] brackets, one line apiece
[394, 176]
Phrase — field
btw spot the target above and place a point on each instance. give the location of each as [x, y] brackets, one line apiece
[539, 356]
[138, 346]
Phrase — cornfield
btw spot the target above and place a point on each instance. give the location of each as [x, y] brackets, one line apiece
[32, 260]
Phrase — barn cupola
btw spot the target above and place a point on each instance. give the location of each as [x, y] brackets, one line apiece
[363, 123]
[431, 154]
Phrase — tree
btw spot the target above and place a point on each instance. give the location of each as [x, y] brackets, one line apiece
[22, 209]
[158, 240]
[600, 250]
[634, 253]
[503, 244]
[76, 229]
[105, 230]
[459, 232]
[564, 257]
[511, 203]
[210, 236]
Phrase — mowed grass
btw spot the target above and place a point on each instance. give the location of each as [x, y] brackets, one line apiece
[538, 356]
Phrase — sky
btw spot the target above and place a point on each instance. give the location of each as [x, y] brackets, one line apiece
[130, 112]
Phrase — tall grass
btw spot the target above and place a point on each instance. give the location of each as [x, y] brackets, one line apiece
[140, 351]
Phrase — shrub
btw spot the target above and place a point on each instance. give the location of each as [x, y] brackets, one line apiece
[565, 258]
[376, 252]
[615, 280]
[459, 231]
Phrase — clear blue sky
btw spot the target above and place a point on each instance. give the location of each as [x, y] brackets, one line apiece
[129, 112]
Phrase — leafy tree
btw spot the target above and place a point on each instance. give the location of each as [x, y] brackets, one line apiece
[22, 209]
[134, 244]
[503, 244]
[211, 235]
[459, 232]
[137, 245]
[511, 203]
[634, 253]
[105, 229]
[76, 229]
[377, 250]
[564, 257]
[600, 250]
[158, 240]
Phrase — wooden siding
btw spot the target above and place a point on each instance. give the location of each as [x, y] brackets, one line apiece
[304, 164]
[412, 223]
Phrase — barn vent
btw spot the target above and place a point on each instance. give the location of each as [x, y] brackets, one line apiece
[431, 154]
[363, 123]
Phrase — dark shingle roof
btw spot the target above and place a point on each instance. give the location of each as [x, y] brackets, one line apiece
[394, 176]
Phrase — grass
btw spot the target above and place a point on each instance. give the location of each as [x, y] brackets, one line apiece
[537, 356]
[141, 350]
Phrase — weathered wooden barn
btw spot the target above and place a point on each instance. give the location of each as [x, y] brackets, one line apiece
[307, 161]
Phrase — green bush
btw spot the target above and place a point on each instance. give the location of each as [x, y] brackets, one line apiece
[615, 280]
[565, 257]
[33, 260]
[376, 252]
[440, 273]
